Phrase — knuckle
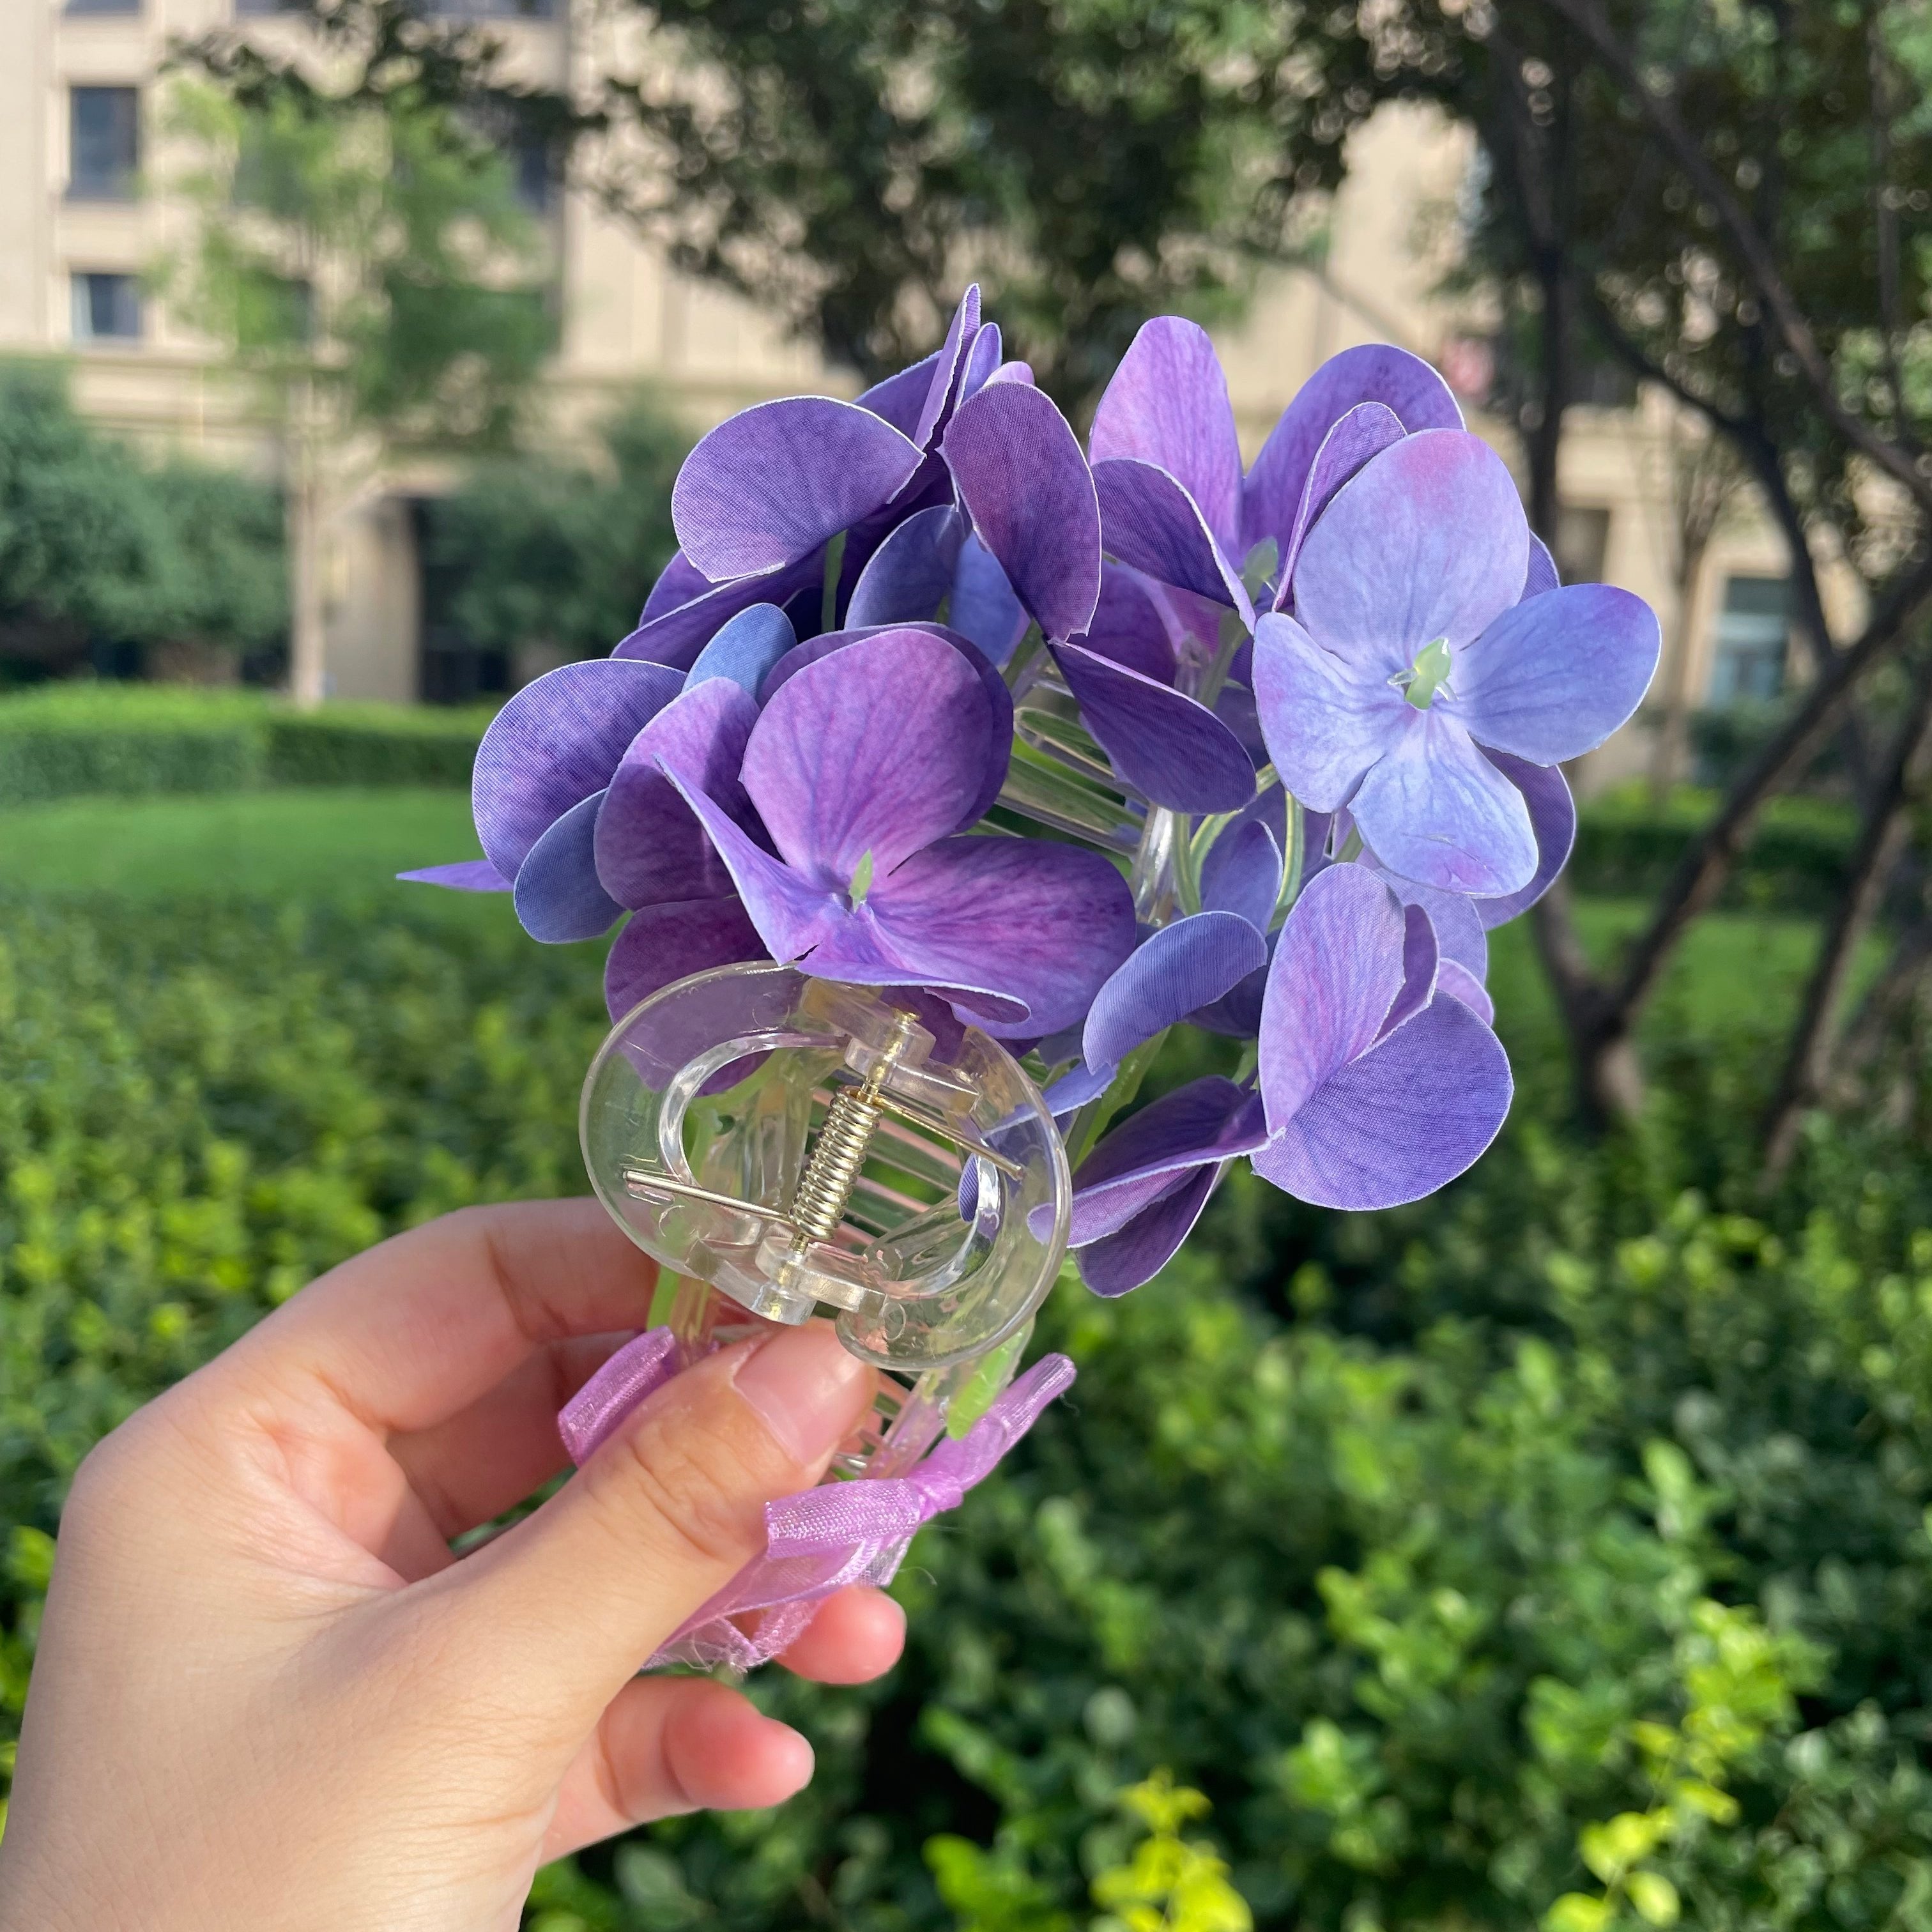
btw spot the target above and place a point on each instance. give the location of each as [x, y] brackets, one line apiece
[677, 1474]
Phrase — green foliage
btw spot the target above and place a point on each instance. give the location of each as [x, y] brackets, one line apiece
[97, 542]
[555, 553]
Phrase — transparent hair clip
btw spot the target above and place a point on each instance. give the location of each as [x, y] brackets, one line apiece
[785, 1146]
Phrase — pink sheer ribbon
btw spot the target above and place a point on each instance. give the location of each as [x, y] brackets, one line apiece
[821, 1540]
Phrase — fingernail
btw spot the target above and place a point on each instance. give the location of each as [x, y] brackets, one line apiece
[805, 1388]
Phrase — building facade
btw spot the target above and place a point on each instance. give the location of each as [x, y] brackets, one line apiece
[83, 136]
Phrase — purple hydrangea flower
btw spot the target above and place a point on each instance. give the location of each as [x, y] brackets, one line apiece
[1413, 653]
[864, 769]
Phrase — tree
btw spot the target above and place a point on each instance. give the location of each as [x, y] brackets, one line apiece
[559, 554]
[363, 256]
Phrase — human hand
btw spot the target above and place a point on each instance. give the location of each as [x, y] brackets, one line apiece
[267, 1696]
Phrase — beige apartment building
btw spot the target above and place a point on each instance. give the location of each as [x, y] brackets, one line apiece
[80, 129]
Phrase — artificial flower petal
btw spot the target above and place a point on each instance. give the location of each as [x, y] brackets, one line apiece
[1130, 625]
[1151, 522]
[983, 606]
[1438, 811]
[1401, 1121]
[1337, 968]
[1242, 873]
[556, 741]
[1428, 540]
[1366, 431]
[1421, 958]
[1167, 404]
[768, 485]
[678, 582]
[464, 875]
[1209, 1121]
[1120, 1263]
[678, 635]
[1181, 967]
[909, 575]
[1460, 983]
[1171, 748]
[665, 943]
[1541, 575]
[960, 333]
[744, 648]
[901, 397]
[981, 359]
[1552, 818]
[880, 749]
[558, 896]
[1326, 719]
[1554, 675]
[1027, 487]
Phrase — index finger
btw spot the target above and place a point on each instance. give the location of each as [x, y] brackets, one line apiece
[407, 1333]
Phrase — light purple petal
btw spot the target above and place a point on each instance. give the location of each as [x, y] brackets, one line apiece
[677, 636]
[1427, 541]
[1027, 487]
[1366, 431]
[466, 875]
[1326, 719]
[1400, 1121]
[1130, 625]
[1122, 1262]
[983, 606]
[881, 748]
[1168, 405]
[678, 582]
[909, 575]
[1458, 929]
[1552, 818]
[1152, 523]
[1541, 575]
[981, 359]
[1207, 1121]
[1553, 676]
[1183, 966]
[1172, 750]
[939, 392]
[1373, 373]
[1338, 967]
[1420, 957]
[1042, 924]
[665, 943]
[556, 741]
[558, 897]
[744, 648]
[1460, 983]
[1076, 1087]
[773, 482]
[1013, 372]
[1436, 810]
[649, 848]
[1242, 873]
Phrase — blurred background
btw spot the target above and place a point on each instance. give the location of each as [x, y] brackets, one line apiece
[1556, 1552]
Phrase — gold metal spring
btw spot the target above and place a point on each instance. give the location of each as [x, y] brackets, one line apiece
[837, 1159]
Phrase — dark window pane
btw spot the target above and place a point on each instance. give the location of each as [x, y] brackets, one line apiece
[244, 7]
[105, 131]
[536, 176]
[103, 6]
[491, 9]
[106, 308]
[1753, 630]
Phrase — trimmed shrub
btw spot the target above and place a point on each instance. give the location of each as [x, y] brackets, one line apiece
[373, 744]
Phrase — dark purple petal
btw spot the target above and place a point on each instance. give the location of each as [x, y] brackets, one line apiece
[677, 636]
[556, 741]
[1168, 405]
[1027, 487]
[1366, 431]
[1427, 541]
[1436, 810]
[1130, 625]
[1207, 1121]
[665, 943]
[466, 875]
[1541, 576]
[940, 391]
[1398, 1123]
[1373, 373]
[1183, 966]
[1237, 1013]
[744, 648]
[1172, 750]
[1421, 956]
[1042, 924]
[769, 485]
[1459, 930]
[881, 748]
[1460, 983]
[1242, 873]
[1552, 818]
[1553, 676]
[909, 575]
[1234, 705]
[899, 398]
[649, 848]
[1326, 719]
[1152, 523]
[983, 606]
[558, 895]
[1123, 1261]
[981, 359]
[1338, 967]
[678, 582]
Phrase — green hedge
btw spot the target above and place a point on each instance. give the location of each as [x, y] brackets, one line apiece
[1425, 1543]
[61, 741]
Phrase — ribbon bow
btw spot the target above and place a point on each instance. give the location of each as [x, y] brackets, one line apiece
[820, 1540]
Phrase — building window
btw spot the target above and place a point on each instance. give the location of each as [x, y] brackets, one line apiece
[106, 308]
[106, 145]
[1753, 634]
[103, 6]
[243, 8]
[491, 10]
[1583, 542]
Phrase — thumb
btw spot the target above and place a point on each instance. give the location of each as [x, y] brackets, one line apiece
[661, 1518]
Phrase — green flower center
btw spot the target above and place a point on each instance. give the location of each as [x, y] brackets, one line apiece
[1428, 674]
